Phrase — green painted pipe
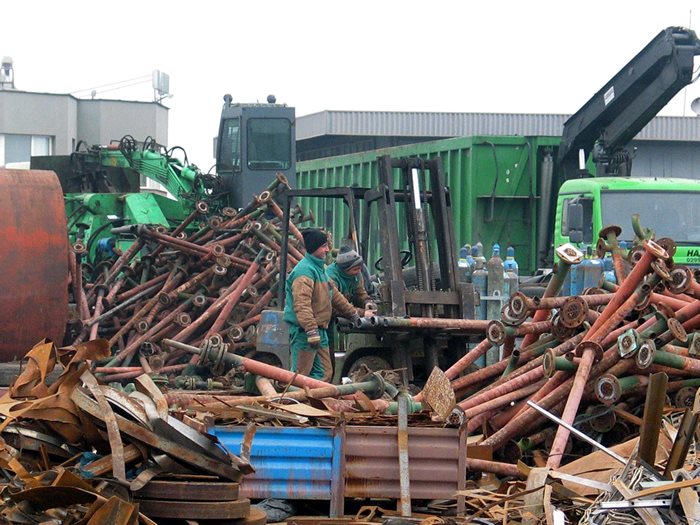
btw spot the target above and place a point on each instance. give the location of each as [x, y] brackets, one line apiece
[413, 407]
[512, 362]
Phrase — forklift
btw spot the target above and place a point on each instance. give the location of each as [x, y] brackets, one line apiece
[421, 281]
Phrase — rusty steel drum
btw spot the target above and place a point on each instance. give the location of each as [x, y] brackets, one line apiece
[33, 261]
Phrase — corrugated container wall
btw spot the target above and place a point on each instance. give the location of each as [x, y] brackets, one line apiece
[494, 184]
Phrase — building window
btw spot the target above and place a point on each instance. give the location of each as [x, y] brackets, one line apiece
[20, 148]
[41, 146]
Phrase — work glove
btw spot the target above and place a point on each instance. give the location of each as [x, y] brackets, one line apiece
[313, 338]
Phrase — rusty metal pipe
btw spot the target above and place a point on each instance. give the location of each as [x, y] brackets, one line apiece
[132, 375]
[235, 296]
[568, 256]
[122, 261]
[257, 367]
[208, 313]
[499, 402]
[138, 289]
[422, 323]
[494, 467]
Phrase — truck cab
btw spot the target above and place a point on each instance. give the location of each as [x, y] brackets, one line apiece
[669, 207]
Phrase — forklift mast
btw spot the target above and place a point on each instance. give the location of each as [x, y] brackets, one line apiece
[627, 102]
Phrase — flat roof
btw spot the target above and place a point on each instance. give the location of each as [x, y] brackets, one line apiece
[434, 124]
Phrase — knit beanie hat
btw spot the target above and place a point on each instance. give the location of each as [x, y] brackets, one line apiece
[348, 258]
[314, 239]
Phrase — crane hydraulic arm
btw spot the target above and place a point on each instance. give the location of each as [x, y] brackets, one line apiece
[627, 102]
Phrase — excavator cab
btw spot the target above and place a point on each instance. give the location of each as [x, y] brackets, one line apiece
[255, 142]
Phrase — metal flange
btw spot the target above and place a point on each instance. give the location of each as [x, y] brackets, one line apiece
[590, 345]
[573, 312]
[645, 354]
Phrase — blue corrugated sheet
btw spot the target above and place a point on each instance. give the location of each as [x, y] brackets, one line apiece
[289, 463]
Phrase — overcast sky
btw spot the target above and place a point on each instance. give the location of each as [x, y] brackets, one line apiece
[498, 56]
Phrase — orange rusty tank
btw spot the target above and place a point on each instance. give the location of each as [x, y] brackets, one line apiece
[33, 261]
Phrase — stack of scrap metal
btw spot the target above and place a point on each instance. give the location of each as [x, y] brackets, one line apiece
[76, 451]
[587, 373]
[188, 285]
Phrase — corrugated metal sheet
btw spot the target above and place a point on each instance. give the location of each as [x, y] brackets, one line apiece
[437, 462]
[425, 124]
[289, 463]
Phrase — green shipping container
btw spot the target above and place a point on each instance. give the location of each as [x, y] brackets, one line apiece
[495, 185]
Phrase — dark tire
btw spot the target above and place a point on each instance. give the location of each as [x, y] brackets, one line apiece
[374, 363]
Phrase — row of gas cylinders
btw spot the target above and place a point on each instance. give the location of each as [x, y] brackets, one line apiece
[496, 279]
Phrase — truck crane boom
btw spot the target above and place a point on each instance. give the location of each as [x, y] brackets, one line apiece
[627, 102]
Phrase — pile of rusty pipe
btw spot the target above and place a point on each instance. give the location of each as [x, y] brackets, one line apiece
[617, 309]
[550, 395]
[529, 417]
[371, 387]
[498, 402]
[180, 287]
[655, 298]
[531, 371]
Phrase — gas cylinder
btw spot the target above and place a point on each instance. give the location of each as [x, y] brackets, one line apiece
[510, 266]
[479, 280]
[495, 287]
[496, 282]
[592, 273]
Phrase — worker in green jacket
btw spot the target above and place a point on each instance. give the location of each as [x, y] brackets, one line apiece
[311, 300]
[346, 273]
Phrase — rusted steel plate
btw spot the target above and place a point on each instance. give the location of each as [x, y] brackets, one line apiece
[34, 262]
[199, 510]
[189, 490]
[438, 393]
[171, 448]
[255, 517]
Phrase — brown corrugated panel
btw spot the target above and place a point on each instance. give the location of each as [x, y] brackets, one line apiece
[436, 462]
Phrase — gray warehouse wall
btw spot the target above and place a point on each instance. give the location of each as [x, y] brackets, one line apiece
[101, 121]
[666, 159]
[26, 113]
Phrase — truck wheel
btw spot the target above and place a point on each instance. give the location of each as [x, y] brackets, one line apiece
[373, 362]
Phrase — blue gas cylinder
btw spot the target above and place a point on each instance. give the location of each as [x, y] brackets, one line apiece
[480, 282]
[592, 273]
[575, 279]
[465, 264]
[510, 265]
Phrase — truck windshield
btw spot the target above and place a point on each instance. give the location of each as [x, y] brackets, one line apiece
[669, 214]
[269, 143]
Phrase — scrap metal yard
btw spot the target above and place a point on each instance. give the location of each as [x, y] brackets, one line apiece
[148, 341]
